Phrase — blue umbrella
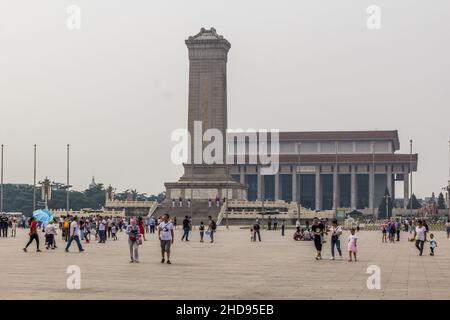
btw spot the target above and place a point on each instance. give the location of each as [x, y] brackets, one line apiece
[43, 215]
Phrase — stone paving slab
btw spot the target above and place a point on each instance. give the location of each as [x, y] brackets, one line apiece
[231, 268]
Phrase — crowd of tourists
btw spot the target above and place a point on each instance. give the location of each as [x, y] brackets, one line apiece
[323, 230]
[83, 230]
[73, 229]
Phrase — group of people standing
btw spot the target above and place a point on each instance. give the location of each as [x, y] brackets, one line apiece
[320, 230]
[255, 230]
[208, 230]
[7, 223]
[418, 229]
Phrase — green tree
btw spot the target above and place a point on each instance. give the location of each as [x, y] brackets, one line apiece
[160, 197]
[415, 203]
[382, 207]
[441, 201]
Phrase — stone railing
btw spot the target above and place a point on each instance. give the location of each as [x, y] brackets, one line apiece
[153, 208]
[88, 212]
[258, 203]
[222, 213]
[129, 204]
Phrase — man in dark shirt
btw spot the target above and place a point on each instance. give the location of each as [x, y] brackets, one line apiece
[318, 229]
[186, 228]
[256, 228]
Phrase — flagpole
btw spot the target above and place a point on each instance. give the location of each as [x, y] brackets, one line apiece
[1, 182]
[34, 179]
[68, 174]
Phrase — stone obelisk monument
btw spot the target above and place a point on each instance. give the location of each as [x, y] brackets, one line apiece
[207, 109]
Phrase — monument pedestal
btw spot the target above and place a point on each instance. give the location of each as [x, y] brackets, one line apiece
[203, 182]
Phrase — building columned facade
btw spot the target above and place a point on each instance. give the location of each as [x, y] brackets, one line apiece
[330, 170]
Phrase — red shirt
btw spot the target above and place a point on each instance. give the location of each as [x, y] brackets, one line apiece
[33, 227]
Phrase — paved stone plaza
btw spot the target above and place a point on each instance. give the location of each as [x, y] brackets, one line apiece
[231, 268]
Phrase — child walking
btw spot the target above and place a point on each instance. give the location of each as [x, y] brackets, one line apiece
[352, 246]
[252, 235]
[433, 244]
[114, 231]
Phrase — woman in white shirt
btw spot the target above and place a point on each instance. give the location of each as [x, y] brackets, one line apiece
[336, 232]
[420, 234]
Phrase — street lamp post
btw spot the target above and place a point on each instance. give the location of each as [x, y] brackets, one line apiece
[373, 180]
[386, 197]
[299, 180]
[34, 178]
[336, 172]
[448, 186]
[226, 199]
[68, 172]
[191, 200]
[411, 177]
[1, 181]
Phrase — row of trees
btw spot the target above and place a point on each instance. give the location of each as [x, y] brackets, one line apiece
[412, 201]
[19, 198]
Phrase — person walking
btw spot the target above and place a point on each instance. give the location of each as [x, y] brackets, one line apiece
[433, 244]
[420, 234]
[87, 230]
[33, 234]
[133, 240]
[186, 228]
[13, 227]
[212, 226]
[256, 229]
[114, 232]
[336, 232]
[142, 227]
[174, 223]
[269, 223]
[283, 226]
[66, 227]
[447, 226]
[201, 228]
[74, 232]
[50, 233]
[384, 232]
[352, 245]
[318, 229]
[4, 223]
[392, 230]
[152, 224]
[166, 237]
[275, 223]
[108, 226]
[102, 230]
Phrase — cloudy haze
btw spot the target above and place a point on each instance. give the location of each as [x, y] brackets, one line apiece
[117, 88]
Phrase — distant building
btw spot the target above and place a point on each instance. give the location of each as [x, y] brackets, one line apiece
[329, 170]
[93, 184]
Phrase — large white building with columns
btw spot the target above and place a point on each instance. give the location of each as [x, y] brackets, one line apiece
[330, 170]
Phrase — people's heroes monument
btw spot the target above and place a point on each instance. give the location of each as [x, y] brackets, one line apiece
[207, 109]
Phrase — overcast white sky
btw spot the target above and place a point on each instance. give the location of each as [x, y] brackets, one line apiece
[117, 88]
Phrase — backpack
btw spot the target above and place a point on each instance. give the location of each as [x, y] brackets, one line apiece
[134, 233]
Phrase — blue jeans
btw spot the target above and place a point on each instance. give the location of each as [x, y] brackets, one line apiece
[102, 235]
[336, 243]
[185, 234]
[77, 240]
